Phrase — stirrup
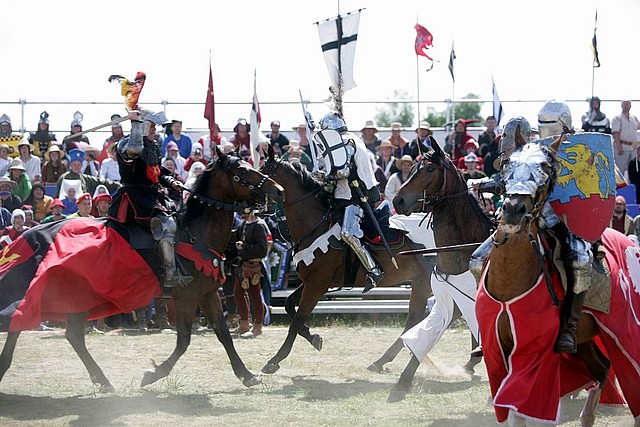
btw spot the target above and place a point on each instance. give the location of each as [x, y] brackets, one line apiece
[566, 342]
[177, 280]
[373, 278]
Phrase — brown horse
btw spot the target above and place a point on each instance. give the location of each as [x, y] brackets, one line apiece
[224, 187]
[308, 218]
[437, 185]
[513, 298]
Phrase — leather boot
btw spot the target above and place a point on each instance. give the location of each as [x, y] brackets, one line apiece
[172, 274]
[243, 328]
[566, 341]
[373, 277]
[233, 321]
[257, 329]
[141, 319]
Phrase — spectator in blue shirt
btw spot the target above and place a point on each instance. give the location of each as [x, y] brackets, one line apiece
[183, 141]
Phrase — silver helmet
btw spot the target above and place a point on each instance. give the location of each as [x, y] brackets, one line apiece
[333, 121]
[553, 117]
[508, 140]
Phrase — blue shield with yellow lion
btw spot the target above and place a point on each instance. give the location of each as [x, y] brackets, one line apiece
[584, 194]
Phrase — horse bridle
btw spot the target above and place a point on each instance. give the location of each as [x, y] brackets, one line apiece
[435, 199]
[239, 207]
[270, 168]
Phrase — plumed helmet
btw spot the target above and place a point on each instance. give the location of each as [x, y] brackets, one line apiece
[508, 140]
[553, 117]
[333, 121]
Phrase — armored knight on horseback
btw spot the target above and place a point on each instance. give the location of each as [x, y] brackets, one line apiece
[554, 120]
[140, 198]
[346, 167]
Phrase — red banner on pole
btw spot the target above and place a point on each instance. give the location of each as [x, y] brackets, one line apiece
[209, 106]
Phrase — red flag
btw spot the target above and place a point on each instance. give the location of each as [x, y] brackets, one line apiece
[209, 106]
[424, 40]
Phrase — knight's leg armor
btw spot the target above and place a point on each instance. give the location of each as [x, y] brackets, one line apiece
[479, 257]
[351, 234]
[164, 228]
[578, 263]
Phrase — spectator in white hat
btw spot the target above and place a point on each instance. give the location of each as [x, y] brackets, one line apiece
[370, 136]
[32, 164]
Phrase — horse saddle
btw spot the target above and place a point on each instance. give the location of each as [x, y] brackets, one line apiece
[394, 237]
[138, 236]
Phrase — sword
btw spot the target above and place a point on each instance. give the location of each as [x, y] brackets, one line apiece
[451, 248]
[356, 185]
[111, 123]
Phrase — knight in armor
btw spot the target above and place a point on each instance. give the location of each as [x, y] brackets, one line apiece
[554, 119]
[140, 198]
[347, 167]
[42, 139]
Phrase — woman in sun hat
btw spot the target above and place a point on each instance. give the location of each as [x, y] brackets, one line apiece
[404, 165]
[18, 174]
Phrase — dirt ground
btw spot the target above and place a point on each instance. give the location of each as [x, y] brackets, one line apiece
[47, 384]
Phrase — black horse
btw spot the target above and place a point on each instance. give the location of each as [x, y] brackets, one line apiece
[119, 280]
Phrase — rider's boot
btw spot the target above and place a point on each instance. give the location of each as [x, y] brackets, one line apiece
[566, 341]
[172, 274]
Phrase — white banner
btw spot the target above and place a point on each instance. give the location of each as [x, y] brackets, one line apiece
[338, 38]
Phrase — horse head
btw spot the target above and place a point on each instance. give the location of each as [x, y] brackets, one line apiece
[431, 181]
[528, 177]
[231, 184]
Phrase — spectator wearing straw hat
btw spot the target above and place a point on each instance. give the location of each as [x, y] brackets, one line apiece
[53, 167]
[301, 137]
[5, 161]
[404, 165]
[421, 143]
[8, 200]
[295, 153]
[56, 212]
[385, 159]
[18, 174]
[32, 164]
[369, 135]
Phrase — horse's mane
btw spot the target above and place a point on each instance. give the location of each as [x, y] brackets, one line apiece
[195, 208]
[443, 159]
[306, 179]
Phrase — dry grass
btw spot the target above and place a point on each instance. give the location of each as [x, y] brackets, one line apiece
[48, 385]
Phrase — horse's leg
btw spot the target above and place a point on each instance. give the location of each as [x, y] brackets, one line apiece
[76, 324]
[598, 366]
[7, 352]
[310, 297]
[290, 307]
[402, 387]
[420, 291]
[212, 308]
[185, 306]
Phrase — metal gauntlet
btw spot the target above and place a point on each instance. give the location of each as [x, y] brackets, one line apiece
[131, 147]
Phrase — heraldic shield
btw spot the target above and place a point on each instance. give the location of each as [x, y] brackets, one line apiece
[585, 191]
[331, 149]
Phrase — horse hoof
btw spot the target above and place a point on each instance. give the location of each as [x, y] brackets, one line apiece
[270, 368]
[396, 396]
[149, 377]
[107, 388]
[375, 368]
[252, 381]
[316, 342]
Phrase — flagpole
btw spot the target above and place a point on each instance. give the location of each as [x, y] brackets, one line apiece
[418, 86]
